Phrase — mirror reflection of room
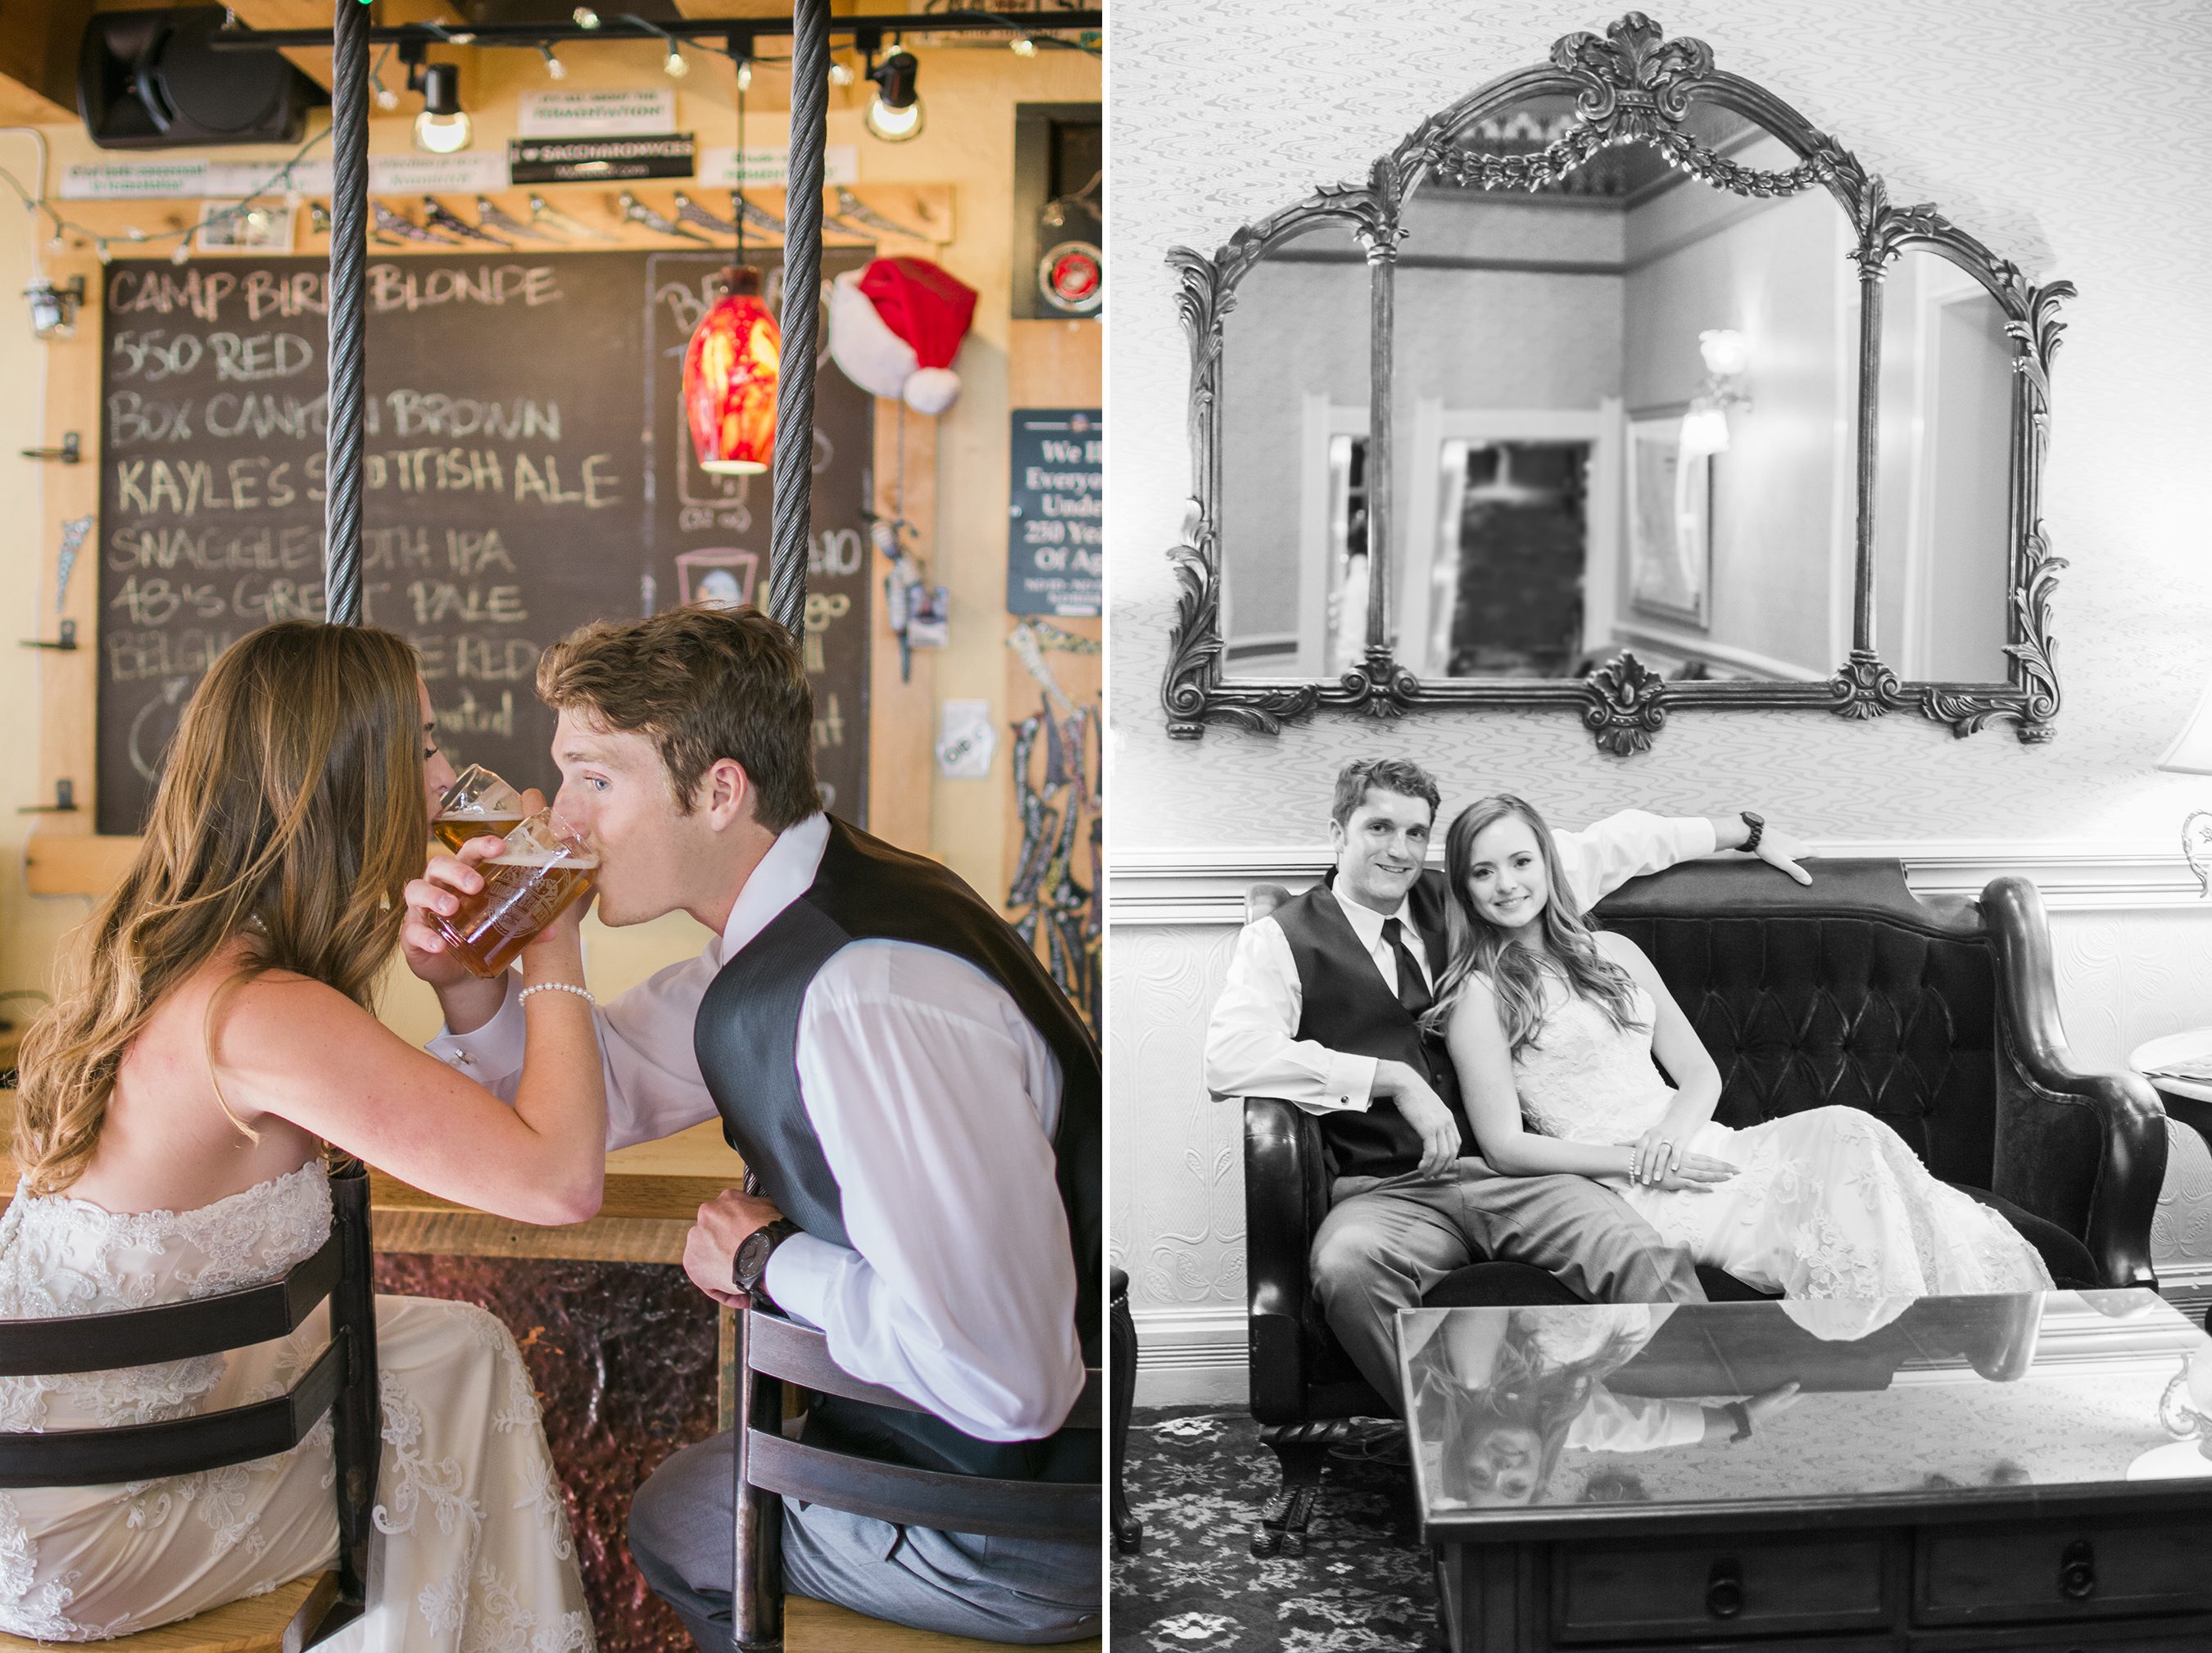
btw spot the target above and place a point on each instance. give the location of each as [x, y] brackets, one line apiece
[1623, 417]
[1295, 411]
[1689, 356]
[1941, 557]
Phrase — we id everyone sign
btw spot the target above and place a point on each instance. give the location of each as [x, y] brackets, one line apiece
[1056, 543]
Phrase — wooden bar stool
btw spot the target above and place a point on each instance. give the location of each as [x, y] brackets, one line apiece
[342, 1382]
[769, 1468]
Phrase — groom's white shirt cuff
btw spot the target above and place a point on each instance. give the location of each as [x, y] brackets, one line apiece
[945, 1295]
[1251, 1044]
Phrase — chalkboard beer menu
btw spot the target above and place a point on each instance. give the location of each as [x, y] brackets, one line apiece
[528, 472]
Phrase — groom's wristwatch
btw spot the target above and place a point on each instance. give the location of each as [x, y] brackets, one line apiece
[751, 1266]
[1758, 826]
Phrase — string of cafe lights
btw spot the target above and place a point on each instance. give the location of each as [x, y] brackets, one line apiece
[1030, 31]
[279, 181]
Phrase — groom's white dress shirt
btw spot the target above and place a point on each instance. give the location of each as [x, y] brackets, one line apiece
[1251, 1044]
[935, 1101]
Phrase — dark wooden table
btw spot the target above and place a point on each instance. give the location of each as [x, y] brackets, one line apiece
[1953, 1476]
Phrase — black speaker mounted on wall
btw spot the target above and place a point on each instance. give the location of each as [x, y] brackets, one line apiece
[152, 79]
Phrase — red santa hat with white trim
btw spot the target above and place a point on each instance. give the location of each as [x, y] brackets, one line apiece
[895, 326]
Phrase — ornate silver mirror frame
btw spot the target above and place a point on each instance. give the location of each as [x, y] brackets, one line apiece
[1629, 85]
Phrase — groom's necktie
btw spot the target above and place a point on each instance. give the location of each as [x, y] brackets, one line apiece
[1412, 989]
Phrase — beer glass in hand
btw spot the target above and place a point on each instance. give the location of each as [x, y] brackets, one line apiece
[478, 805]
[545, 866]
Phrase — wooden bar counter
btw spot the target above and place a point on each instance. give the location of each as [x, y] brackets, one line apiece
[654, 1192]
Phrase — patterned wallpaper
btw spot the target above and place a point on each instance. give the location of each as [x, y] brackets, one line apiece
[2069, 138]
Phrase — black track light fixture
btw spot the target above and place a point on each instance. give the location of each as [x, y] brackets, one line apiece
[895, 113]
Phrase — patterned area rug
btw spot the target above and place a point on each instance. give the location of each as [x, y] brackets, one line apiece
[1200, 1481]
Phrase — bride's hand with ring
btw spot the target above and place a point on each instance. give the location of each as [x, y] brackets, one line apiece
[1660, 1152]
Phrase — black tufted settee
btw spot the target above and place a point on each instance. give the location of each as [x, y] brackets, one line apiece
[1940, 1018]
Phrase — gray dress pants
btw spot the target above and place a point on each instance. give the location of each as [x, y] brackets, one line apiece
[1386, 1241]
[999, 1590]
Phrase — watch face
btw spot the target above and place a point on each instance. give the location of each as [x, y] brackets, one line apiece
[752, 1254]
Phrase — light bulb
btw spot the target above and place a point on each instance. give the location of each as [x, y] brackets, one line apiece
[100, 247]
[386, 97]
[555, 69]
[1024, 46]
[443, 127]
[184, 250]
[893, 125]
[1704, 430]
[674, 65]
[1727, 352]
[841, 73]
[442, 134]
[745, 77]
[895, 115]
[586, 17]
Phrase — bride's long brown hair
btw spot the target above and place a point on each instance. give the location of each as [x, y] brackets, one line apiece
[1474, 945]
[293, 797]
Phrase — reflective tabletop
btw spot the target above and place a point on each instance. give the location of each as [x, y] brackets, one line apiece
[1601, 1415]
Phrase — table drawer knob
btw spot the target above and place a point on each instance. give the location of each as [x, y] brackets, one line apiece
[2077, 1571]
[1724, 1588]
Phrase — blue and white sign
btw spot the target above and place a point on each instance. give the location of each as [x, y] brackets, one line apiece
[1056, 531]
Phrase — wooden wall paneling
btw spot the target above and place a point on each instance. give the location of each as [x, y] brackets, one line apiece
[902, 735]
[1054, 364]
[315, 61]
[68, 681]
[38, 61]
[925, 208]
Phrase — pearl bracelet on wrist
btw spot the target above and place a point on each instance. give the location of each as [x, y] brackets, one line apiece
[584, 993]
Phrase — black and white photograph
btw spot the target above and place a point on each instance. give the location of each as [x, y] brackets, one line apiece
[1658, 957]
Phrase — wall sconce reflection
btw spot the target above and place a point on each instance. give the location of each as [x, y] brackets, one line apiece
[2185, 1412]
[1705, 427]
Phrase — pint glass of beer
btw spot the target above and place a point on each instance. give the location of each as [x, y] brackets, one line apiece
[528, 885]
[476, 804]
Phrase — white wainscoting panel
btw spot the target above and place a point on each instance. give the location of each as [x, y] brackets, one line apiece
[2131, 944]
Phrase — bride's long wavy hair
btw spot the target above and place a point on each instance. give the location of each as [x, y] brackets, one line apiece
[1476, 946]
[293, 797]
[1524, 1389]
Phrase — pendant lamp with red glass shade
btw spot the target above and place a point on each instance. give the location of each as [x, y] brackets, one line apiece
[731, 365]
[730, 373]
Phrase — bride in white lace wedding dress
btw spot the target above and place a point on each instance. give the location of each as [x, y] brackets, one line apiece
[212, 1034]
[1553, 1027]
[471, 1534]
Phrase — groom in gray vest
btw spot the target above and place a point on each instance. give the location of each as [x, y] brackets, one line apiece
[918, 1099]
[1322, 1008]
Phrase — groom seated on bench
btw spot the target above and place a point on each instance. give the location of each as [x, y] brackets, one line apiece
[1323, 1010]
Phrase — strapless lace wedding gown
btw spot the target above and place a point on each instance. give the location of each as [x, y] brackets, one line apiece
[472, 1552]
[1828, 1203]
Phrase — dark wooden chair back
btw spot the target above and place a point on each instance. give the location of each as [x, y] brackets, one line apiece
[772, 1352]
[342, 1382]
